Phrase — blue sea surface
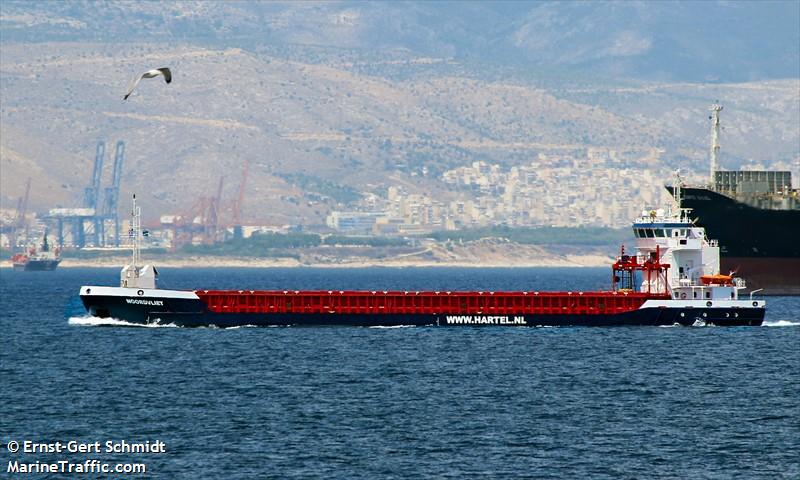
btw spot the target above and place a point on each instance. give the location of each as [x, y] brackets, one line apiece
[344, 403]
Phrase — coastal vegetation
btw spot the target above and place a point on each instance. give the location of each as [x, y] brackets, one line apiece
[257, 245]
[280, 244]
[287, 244]
[539, 235]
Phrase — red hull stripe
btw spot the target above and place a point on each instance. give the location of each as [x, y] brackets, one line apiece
[480, 303]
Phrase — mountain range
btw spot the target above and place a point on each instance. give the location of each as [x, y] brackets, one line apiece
[332, 102]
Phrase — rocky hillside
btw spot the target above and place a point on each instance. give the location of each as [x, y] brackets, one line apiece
[331, 103]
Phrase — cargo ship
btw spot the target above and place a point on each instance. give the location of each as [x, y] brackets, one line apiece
[672, 278]
[32, 260]
[755, 216]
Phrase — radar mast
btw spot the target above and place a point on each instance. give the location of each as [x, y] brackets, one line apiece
[132, 275]
[715, 109]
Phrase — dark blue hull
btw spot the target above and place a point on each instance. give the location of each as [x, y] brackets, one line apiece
[193, 313]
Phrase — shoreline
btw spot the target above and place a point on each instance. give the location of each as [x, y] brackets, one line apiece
[571, 261]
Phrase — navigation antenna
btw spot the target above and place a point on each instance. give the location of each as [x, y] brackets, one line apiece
[677, 196]
[715, 109]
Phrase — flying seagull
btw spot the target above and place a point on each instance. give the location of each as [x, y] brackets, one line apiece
[149, 74]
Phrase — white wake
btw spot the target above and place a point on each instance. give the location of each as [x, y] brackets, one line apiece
[781, 323]
[392, 326]
[113, 322]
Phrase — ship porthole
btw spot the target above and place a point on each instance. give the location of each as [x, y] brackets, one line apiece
[708, 304]
[705, 314]
[88, 291]
[683, 314]
[755, 304]
[140, 292]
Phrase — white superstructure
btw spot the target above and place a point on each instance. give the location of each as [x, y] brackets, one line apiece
[668, 237]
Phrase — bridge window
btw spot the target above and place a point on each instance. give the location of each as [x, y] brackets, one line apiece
[649, 232]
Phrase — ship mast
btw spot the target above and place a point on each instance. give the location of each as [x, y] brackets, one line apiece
[132, 275]
[676, 196]
[715, 109]
[136, 230]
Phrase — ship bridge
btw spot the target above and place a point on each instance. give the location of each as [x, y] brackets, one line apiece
[668, 236]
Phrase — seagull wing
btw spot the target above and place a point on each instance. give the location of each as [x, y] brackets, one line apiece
[149, 74]
[167, 74]
[132, 86]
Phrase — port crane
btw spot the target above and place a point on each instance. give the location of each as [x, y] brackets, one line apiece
[91, 212]
[20, 220]
[112, 193]
[239, 201]
[91, 195]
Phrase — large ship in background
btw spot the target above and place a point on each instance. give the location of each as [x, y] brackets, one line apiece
[33, 260]
[755, 216]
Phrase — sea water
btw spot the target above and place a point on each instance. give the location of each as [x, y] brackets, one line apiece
[484, 402]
